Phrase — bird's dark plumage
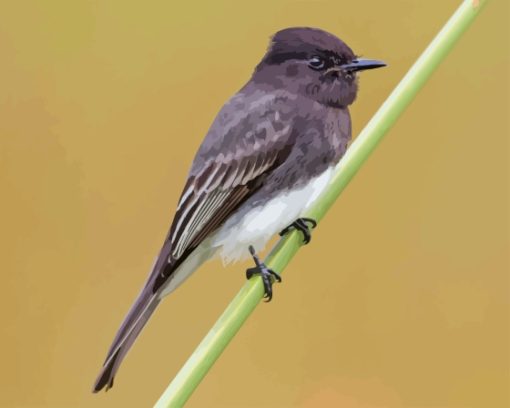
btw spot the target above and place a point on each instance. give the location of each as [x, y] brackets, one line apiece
[287, 126]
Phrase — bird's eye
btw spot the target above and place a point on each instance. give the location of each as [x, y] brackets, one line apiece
[316, 62]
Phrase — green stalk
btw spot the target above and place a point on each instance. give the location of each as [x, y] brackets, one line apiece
[251, 293]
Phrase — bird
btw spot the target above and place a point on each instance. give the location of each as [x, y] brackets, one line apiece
[266, 158]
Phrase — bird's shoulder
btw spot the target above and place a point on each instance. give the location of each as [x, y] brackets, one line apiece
[252, 121]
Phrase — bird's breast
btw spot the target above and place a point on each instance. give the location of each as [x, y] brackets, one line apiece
[337, 129]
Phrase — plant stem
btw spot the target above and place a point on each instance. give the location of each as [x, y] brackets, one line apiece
[251, 293]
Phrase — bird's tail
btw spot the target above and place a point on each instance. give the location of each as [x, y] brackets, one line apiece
[141, 311]
[133, 324]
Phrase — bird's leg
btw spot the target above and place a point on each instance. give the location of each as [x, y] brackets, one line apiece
[301, 225]
[267, 274]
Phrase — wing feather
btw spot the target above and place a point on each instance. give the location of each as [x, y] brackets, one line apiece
[200, 217]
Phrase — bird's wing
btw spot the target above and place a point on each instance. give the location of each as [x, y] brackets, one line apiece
[235, 165]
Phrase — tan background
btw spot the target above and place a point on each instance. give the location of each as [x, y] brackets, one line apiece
[401, 300]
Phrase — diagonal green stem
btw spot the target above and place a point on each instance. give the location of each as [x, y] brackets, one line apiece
[251, 293]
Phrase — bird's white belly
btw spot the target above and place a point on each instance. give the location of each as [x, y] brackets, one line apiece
[254, 227]
[257, 226]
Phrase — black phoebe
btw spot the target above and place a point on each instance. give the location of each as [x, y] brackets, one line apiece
[267, 156]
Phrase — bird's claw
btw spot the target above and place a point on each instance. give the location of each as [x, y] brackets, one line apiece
[301, 225]
[266, 274]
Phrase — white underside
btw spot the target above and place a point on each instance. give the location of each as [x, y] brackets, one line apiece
[251, 227]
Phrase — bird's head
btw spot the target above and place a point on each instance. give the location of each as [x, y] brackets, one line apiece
[312, 62]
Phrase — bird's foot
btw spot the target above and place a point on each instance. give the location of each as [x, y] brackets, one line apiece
[266, 274]
[301, 225]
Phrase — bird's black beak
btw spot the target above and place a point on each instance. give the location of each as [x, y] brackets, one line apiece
[361, 64]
